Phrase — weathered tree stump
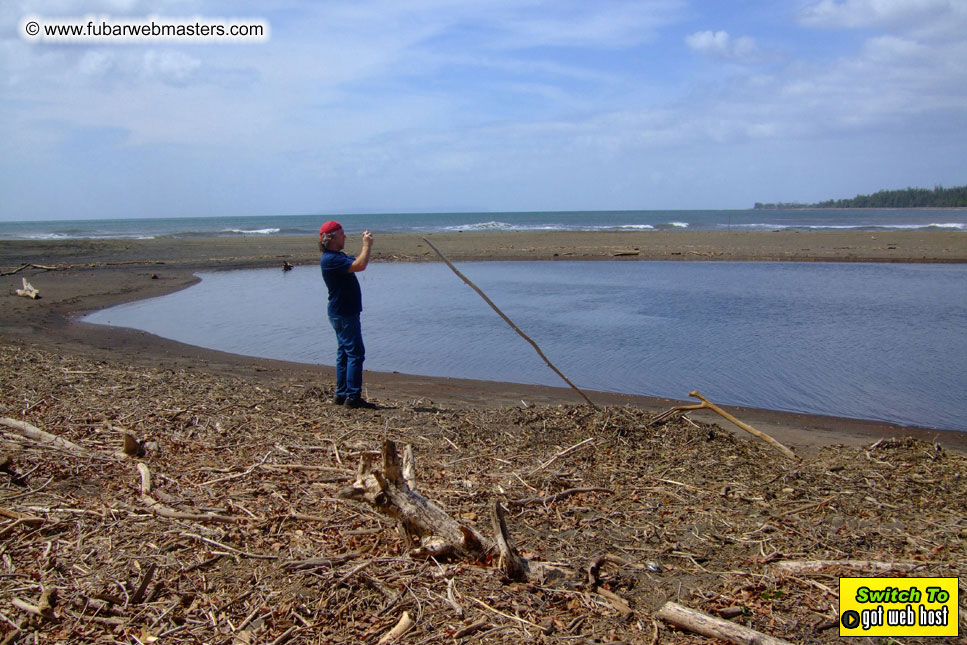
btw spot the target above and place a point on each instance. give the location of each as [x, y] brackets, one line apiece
[390, 490]
[431, 532]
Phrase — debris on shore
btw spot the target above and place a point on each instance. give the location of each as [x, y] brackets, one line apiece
[179, 506]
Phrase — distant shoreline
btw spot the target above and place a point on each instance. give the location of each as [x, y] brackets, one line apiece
[939, 197]
[796, 207]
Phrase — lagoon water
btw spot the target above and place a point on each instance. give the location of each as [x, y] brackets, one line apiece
[871, 341]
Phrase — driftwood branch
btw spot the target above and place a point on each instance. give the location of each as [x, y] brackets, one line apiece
[510, 561]
[404, 625]
[433, 532]
[428, 527]
[510, 322]
[317, 563]
[17, 270]
[44, 607]
[562, 453]
[594, 582]
[161, 510]
[29, 291]
[143, 585]
[24, 519]
[809, 566]
[33, 432]
[145, 473]
[557, 496]
[35, 266]
[708, 405]
[701, 623]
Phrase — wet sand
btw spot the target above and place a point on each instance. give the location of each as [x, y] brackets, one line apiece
[80, 276]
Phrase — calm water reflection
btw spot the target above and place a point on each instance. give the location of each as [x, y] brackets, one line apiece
[873, 341]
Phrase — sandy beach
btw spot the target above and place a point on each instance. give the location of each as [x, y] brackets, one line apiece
[80, 276]
[154, 491]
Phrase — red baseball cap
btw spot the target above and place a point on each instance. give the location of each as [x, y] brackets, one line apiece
[329, 227]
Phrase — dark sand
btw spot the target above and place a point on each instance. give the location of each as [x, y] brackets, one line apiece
[82, 276]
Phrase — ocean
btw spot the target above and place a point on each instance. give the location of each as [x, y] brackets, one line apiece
[867, 341]
[795, 219]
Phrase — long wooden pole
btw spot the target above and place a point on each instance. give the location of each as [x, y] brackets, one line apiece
[509, 322]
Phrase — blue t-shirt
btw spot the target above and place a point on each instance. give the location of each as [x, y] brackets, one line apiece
[345, 298]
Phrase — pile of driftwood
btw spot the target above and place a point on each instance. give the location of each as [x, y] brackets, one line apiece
[172, 506]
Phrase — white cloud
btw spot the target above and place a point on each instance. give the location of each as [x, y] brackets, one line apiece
[354, 67]
[169, 66]
[719, 44]
[946, 18]
[905, 76]
[111, 68]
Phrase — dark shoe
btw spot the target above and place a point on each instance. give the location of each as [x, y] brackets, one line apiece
[357, 402]
[339, 399]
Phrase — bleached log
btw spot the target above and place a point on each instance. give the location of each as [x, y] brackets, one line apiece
[404, 625]
[33, 432]
[161, 510]
[809, 566]
[23, 605]
[145, 479]
[701, 623]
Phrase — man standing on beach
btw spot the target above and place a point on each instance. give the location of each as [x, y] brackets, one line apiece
[345, 305]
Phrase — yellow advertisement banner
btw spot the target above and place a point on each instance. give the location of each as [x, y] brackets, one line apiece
[898, 607]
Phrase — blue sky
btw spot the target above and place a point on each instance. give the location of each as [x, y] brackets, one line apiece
[504, 105]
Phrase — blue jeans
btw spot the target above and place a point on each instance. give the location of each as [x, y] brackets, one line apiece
[350, 353]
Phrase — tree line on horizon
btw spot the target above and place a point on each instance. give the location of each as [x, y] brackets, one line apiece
[939, 197]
